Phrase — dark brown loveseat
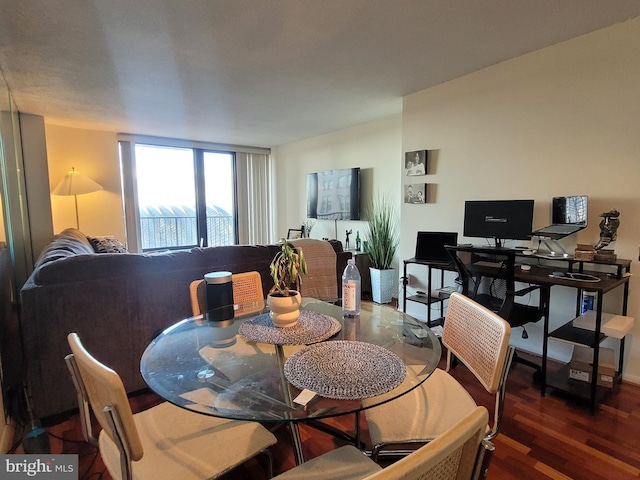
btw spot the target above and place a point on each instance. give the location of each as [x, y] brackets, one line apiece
[117, 303]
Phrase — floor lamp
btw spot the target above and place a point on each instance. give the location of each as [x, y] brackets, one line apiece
[75, 184]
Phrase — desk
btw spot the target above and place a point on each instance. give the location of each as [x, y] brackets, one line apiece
[543, 276]
[578, 336]
[205, 366]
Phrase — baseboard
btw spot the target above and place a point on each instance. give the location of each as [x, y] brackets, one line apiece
[631, 380]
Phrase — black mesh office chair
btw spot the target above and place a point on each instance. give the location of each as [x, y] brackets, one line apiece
[487, 275]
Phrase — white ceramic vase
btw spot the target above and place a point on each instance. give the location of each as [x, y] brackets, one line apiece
[284, 310]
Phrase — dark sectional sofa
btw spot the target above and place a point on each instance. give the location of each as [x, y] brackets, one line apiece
[117, 303]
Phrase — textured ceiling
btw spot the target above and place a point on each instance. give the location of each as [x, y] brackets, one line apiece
[262, 72]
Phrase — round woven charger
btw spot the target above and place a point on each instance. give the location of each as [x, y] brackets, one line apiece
[345, 370]
[312, 327]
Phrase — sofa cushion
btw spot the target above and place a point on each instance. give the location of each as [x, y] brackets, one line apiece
[107, 245]
[67, 243]
[76, 234]
[82, 268]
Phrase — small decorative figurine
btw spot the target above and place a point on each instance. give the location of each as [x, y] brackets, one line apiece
[346, 243]
[608, 228]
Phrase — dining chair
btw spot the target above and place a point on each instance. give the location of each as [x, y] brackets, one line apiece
[460, 453]
[247, 287]
[487, 275]
[475, 336]
[164, 441]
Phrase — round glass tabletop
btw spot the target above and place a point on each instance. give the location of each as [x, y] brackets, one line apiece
[207, 365]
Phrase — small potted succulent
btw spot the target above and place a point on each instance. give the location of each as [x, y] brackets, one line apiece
[284, 299]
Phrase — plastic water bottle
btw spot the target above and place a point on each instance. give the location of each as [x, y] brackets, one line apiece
[587, 301]
[351, 290]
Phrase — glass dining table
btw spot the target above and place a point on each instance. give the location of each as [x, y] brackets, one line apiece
[237, 365]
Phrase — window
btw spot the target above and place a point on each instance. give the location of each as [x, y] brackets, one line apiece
[168, 191]
[179, 195]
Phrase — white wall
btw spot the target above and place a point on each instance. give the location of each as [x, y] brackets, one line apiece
[94, 154]
[560, 121]
[375, 147]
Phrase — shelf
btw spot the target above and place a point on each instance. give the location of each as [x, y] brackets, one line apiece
[615, 326]
[577, 336]
[560, 380]
[445, 292]
[424, 299]
[437, 322]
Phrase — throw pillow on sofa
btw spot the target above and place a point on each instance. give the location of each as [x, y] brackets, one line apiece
[107, 245]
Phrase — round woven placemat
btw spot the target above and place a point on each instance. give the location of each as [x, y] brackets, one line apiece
[345, 370]
[312, 327]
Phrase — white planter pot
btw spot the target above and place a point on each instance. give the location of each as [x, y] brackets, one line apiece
[284, 310]
[383, 284]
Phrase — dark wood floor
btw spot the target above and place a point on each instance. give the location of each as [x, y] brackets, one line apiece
[541, 437]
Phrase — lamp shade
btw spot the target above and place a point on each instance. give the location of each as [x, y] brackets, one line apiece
[75, 183]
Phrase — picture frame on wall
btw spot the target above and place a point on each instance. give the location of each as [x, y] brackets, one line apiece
[415, 163]
[415, 193]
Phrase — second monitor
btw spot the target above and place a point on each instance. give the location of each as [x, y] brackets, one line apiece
[499, 220]
[430, 246]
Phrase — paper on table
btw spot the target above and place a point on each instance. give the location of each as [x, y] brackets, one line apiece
[305, 397]
[420, 332]
[201, 396]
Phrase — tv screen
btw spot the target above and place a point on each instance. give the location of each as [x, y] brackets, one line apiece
[498, 219]
[334, 194]
[312, 195]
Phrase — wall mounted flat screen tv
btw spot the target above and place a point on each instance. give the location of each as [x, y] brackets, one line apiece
[334, 194]
[498, 219]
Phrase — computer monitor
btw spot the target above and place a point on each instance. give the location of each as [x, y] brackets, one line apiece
[498, 219]
[430, 246]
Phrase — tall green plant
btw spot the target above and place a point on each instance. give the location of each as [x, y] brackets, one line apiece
[382, 233]
[287, 268]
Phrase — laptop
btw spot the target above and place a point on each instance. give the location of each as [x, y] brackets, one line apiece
[430, 246]
[568, 216]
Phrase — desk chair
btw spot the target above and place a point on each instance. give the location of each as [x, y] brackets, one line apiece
[460, 453]
[474, 336]
[247, 287]
[164, 441]
[487, 275]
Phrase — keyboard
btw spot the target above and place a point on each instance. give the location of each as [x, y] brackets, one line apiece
[485, 263]
[559, 229]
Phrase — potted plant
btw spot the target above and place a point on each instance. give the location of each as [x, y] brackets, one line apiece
[284, 299]
[382, 246]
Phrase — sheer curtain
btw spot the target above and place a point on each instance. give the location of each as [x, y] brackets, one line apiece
[256, 222]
